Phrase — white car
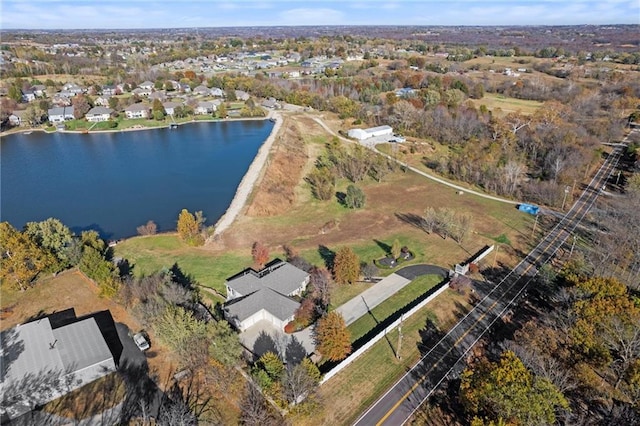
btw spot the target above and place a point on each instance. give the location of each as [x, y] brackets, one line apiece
[141, 341]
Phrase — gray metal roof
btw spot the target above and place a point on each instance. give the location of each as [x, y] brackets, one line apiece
[27, 348]
[282, 277]
[81, 344]
[271, 301]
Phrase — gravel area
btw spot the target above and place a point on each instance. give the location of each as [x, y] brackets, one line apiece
[249, 179]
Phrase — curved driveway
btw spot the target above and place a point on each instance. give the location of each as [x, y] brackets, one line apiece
[414, 271]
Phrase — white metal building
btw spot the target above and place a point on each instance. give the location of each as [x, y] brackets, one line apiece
[362, 134]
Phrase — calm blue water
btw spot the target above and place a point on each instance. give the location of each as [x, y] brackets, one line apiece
[114, 182]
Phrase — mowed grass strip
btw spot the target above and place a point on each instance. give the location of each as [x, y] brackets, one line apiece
[402, 298]
[354, 389]
[153, 253]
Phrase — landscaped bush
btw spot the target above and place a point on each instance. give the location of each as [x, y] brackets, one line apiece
[290, 327]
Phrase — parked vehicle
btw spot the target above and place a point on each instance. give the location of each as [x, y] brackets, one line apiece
[141, 341]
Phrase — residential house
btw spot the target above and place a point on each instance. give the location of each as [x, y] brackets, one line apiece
[201, 90]
[185, 88]
[60, 100]
[406, 92]
[205, 107]
[49, 357]
[241, 95]
[270, 103]
[160, 95]
[15, 119]
[170, 107]
[28, 96]
[102, 100]
[217, 92]
[60, 114]
[72, 88]
[147, 85]
[99, 113]
[40, 90]
[264, 295]
[109, 90]
[141, 92]
[137, 111]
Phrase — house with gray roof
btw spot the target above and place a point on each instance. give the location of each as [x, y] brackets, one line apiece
[61, 114]
[139, 110]
[47, 358]
[265, 295]
[99, 113]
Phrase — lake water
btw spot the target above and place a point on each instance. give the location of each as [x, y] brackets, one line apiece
[114, 182]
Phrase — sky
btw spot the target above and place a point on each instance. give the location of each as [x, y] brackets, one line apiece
[119, 14]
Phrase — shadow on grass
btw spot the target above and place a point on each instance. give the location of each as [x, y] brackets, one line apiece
[327, 255]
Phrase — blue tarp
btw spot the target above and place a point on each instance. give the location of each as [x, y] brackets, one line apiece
[529, 208]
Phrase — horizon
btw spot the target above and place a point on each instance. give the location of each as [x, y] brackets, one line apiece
[61, 15]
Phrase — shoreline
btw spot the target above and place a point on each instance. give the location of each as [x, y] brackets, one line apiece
[133, 128]
[249, 179]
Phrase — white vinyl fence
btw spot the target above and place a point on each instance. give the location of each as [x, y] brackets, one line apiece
[348, 360]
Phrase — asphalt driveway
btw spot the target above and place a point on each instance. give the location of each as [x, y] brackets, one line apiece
[414, 271]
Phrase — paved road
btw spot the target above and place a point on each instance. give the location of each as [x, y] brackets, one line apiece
[400, 402]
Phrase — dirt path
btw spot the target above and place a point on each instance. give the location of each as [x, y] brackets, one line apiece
[249, 179]
[420, 172]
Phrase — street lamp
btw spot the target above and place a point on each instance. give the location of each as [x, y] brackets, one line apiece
[566, 191]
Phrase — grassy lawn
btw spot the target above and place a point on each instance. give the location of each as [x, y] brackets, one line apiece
[351, 391]
[151, 254]
[343, 293]
[412, 291]
[493, 101]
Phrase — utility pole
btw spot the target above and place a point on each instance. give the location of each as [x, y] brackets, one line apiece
[398, 356]
[533, 231]
[566, 192]
[496, 252]
[572, 246]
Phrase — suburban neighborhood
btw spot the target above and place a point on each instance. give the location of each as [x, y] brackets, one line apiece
[378, 224]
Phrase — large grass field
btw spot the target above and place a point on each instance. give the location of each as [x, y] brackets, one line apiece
[503, 104]
[153, 253]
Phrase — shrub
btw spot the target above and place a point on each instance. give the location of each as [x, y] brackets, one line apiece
[290, 327]
[150, 228]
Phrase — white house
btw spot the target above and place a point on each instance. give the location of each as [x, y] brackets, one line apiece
[362, 134]
[102, 100]
[97, 114]
[28, 96]
[137, 111]
[205, 107]
[146, 85]
[61, 114]
[170, 107]
[46, 359]
[253, 296]
[15, 119]
[217, 92]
